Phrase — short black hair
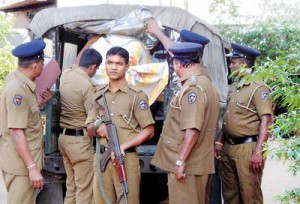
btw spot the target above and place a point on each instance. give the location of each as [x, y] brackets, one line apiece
[118, 51]
[250, 63]
[90, 57]
[23, 62]
[185, 61]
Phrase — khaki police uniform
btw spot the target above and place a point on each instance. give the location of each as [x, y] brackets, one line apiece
[76, 147]
[19, 109]
[130, 112]
[242, 119]
[196, 105]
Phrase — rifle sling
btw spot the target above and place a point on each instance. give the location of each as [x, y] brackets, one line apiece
[100, 181]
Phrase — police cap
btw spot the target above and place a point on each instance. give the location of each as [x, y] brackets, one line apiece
[186, 50]
[189, 36]
[242, 51]
[30, 50]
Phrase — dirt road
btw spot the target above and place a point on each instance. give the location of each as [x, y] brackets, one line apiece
[276, 179]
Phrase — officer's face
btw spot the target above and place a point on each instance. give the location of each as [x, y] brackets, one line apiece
[176, 65]
[116, 67]
[39, 67]
[236, 64]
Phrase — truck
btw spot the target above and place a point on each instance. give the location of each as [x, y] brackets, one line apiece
[65, 32]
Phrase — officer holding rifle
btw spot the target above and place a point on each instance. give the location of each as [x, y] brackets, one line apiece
[130, 113]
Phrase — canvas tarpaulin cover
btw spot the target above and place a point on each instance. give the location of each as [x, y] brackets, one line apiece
[95, 15]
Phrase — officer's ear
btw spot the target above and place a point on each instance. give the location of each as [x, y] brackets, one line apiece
[95, 66]
[243, 62]
[127, 66]
[34, 66]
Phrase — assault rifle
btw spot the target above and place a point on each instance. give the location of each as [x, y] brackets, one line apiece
[114, 147]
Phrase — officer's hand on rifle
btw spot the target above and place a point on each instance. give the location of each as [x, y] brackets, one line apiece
[93, 131]
[102, 131]
[122, 148]
[122, 152]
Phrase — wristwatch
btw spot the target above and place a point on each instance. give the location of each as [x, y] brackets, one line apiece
[180, 163]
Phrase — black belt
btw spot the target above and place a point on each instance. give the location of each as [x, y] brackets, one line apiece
[103, 148]
[72, 132]
[241, 140]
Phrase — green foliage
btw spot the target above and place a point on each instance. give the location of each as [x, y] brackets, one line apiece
[223, 8]
[7, 61]
[6, 22]
[290, 196]
[277, 36]
[272, 40]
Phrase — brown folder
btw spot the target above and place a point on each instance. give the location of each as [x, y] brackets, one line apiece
[50, 73]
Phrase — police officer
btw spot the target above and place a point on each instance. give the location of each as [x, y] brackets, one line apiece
[185, 149]
[129, 111]
[245, 130]
[185, 36]
[152, 27]
[21, 134]
[76, 147]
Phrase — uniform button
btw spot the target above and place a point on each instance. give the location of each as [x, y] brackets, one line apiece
[113, 102]
[224, 123]
[228, 111]
[111, 114]
[168, 142]
[237, 91]
[232, 100]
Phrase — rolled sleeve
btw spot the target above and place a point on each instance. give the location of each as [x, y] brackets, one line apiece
[142, 110]
[263, 101]
[88, 98]
[17, 109]
[93, 112]
[192, 109]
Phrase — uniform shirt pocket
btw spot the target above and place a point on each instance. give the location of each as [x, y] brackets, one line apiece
[35, 115]
[33, 146]
[245, 106]
[170, 143]
[125, 118]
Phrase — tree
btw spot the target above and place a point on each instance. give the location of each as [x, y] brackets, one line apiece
[7, 61]
[276, 35]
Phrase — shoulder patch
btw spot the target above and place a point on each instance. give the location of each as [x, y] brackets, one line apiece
[264, 95]
[192, 97]
[143, 105]
[17, 100]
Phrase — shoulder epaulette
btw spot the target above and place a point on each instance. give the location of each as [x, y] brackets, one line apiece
[261, 83]
[134, 88]
[193, 81]
[101, 87]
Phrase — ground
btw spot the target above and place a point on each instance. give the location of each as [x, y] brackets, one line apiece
[276, 179]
